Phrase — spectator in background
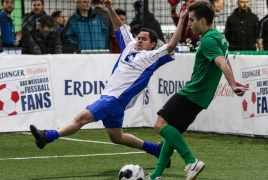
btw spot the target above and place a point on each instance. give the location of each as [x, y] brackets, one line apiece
[41, 36]
[122, 15]
[86, 29]
[151, 23]
[217, 4]
[240, 28]
[37, 7]
[59, 19]
[262, 33]
[186, 31]
[97, 5]
[135, 31]
[6, 24]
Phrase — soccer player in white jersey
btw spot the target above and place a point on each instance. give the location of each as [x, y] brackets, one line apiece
[130, 76]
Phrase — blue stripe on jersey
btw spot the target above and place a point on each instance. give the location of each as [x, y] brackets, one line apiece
[124, 37]
[116, 64]
[121, 41]
[143, 80]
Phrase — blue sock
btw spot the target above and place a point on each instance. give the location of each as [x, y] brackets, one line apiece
[51, 135]
[151, 148]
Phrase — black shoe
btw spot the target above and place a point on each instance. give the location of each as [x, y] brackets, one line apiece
[159, 145]
[40, 137]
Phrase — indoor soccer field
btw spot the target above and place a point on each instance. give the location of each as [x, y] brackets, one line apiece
[90, 155]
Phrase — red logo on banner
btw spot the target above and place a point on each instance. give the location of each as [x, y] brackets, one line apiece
[224, 90]
[35, 71]
[9, 100]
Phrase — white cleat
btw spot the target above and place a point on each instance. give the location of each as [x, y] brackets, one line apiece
[193, 169]
[149, 178]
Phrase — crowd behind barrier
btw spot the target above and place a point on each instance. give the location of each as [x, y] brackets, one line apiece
[85, 25]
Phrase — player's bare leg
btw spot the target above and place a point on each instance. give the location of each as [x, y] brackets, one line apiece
[80, 120]
[118, 137]
[48, 136]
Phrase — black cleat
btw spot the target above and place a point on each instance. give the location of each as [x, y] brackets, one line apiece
[159, 145]
[40, 137]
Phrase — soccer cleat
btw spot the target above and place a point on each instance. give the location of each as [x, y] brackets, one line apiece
[149, 178]
[159, 145]
[40, 137]
[193, 169]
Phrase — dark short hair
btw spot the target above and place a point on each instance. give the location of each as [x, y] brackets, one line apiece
[137, 5]
[152, 35]
[2, 2]
[136, 29]
[38, 0]
[203, 9]
[212, 1]
[46, 20]
[55, 14]
[96, 2]
[119, 11]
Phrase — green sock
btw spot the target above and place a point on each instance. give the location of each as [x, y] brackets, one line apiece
[166, 152]
[175, 139]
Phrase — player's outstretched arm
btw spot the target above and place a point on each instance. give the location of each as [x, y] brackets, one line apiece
[225, 66]
[177, 34]
[117, 23]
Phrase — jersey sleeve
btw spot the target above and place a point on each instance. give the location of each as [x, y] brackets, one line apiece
[211, 48]
[124, 37]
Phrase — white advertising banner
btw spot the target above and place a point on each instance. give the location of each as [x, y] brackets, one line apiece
[49, 91]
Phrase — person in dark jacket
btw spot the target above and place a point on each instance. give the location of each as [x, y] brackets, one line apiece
[37, 8]
[262, 32]
[241, 27]
[6, 24]
[152, 23]
[41, 36]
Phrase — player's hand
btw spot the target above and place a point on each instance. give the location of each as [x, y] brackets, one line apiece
[184, 13]
[240, 89]
[240, 85]
[107, 3]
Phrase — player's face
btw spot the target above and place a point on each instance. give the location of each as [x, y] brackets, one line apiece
[218, 5]
[144, 42]
[243, 4]
[194, 24]
[8, 6]
[37, 7]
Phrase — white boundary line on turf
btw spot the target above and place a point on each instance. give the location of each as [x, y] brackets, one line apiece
[79, 140]
[71, 156]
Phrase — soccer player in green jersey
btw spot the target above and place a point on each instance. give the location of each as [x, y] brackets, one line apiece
[182, 108]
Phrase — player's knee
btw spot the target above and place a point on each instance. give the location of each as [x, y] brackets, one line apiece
[83, 118]
[159, 124]
[157, 127]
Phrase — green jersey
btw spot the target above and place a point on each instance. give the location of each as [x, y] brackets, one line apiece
[206, 74]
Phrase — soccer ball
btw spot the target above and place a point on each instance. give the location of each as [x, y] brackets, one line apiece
[9, 100]
[131, 172]
[248, 101]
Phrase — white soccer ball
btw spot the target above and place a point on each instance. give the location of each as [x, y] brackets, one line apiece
[131, 172]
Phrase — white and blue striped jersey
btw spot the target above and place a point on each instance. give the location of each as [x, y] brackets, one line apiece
[133, 69]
